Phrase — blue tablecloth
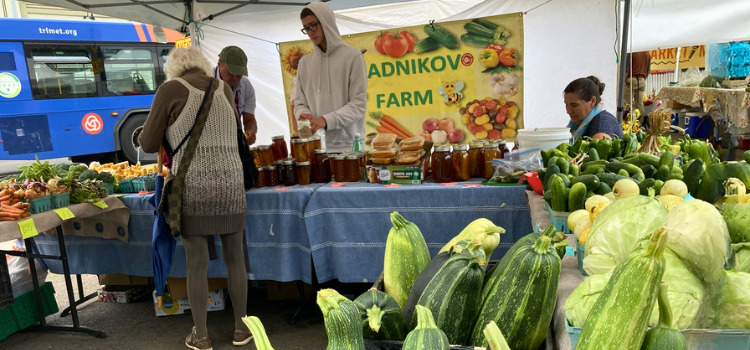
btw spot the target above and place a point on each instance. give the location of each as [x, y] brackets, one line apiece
[348, 225]
[278, 244]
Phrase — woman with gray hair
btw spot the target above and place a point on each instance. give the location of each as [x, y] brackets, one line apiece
[213, 193]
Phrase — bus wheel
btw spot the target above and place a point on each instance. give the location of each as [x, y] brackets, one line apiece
[129, 133]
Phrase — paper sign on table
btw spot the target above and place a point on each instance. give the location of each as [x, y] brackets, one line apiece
[100, 204]
[27, 228]
[64, 213]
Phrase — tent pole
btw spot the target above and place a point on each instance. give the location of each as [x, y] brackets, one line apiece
[623, 53]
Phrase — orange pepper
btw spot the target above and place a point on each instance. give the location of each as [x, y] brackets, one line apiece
[508, 57]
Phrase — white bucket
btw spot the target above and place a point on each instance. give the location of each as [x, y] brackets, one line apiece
[542, 138]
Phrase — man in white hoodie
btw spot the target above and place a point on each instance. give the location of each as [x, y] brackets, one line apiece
[332, 81]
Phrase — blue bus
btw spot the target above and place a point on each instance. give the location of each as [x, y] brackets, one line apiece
[78, 89]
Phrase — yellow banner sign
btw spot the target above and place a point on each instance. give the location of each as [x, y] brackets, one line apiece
[664, 60]
[184, 42]
[455, 81]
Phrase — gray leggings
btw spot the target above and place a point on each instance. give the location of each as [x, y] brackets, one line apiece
[196, 250]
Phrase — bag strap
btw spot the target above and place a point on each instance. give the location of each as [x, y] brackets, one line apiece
[200, 122]
[165, 143]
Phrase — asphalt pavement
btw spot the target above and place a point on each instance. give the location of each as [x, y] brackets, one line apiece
[135, 325]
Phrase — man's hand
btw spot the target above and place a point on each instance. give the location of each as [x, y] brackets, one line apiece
[250, 136]
[305, 116]
[317, 124]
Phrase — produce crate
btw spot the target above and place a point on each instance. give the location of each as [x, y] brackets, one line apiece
[110, 187]
[40, 204]
[149, 184]
[60, 200]
[24, 311]
[696, 339]
[6, 289]
[138, 185]
[126, 186]
[580, 251]
[558, 218]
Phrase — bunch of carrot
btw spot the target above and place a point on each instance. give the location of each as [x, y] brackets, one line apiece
[388, 125]
[11, 208]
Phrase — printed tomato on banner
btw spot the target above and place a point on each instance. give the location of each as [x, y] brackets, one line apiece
[452, 82]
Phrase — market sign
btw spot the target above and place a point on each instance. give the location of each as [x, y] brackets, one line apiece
[465, 78]
[184, 42]
[664, 60]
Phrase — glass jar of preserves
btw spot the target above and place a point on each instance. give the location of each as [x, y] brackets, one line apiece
[272, 176]
[292, 137]
[502, 148]
[266, 155]
[338, 168]
[300, 150]
[261, 178]
[278, 147]
[351, 168]
[289, 175]
[460, 159]
[442, 165]
[279, 164]
[476, 159]
[490, 153]
[321, 170]
[317, 143]
[302, 170]
[256, 156]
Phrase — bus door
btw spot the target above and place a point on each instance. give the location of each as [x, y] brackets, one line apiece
[24, 131]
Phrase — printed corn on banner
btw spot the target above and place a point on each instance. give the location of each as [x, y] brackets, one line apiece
[450, 82]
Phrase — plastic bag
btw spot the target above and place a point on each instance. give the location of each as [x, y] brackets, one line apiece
[515, 164]
[20, 274]
[692, 77]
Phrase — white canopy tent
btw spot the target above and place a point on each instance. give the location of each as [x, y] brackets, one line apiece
[564, 39]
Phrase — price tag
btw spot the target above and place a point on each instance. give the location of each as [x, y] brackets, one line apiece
[392, 185]
[100, 204]
[338, 184]
[64, 213]
[282, 189]
[448, 184]
[27, 228]
[472, 185]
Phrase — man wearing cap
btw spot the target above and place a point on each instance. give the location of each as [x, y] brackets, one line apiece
[331, 89]
[232, 69]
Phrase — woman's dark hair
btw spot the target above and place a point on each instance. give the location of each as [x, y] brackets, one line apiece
[306, 12]
[586, 88]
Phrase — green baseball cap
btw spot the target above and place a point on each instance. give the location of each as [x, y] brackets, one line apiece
[235, 59]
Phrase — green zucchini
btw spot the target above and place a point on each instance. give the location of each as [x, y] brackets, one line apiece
[259, 333]
[663, 336]
[381, 316]
[453, 294]
[442, 35]
[485, 23]
[480, 30]
[406, 254]
[495, 337]
[557, 187]
[421, 282]
[342, 321]
[619, 317]
[591, 181]
[577, 198]
[426, 45]
[523, 299]
[426, 335]
[746, 156]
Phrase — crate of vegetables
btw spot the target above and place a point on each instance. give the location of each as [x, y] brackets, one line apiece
[40, 204]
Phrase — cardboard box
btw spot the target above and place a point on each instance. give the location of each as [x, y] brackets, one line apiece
[117, 279]
[121, 294]
[216, 301]
[397, 174]
[178, 286]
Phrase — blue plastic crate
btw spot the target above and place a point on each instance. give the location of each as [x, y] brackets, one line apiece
[559, 219]
[580, 253]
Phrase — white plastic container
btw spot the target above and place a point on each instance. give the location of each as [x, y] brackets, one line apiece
[542, 138]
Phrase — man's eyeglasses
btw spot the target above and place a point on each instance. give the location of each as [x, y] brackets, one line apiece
[310, 28]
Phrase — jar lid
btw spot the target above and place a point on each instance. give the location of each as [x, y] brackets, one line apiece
[443, 148]
[261, 168]
[264, 147]
[502, 142]
[278, 162]
[253, 148]
[476, 144]
[270, 167]
[278, 137]
[298, 140]
[302, 163]
[461, 148]
[315, 137]
[294, 136]
[289, 162]
[352, 156]
[339, 157]
[319, 151]
[490, 145]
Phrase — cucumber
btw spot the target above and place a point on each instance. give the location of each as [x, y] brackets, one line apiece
[662, 173]
[559, 201]
[648, 170]
[563, 164]
[610, 179]
[587, 164]
[593, 154]
[649, 159]
[442, 35]
[638, 177]
[591, 181]
[615, 167]
[603, 189]
[577, 199]
[666, 159]
[657, 186]
[594, 169]
[549, 174]
[478, 29]
[426, 45]
[485, 23]
[645, 185]
[574, 170]
[693, 174]
[476, 40]
[623, 172]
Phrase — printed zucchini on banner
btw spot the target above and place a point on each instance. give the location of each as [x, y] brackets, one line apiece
[453, 81]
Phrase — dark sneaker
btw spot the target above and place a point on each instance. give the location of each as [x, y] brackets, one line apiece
[192, 342]
[242, 338]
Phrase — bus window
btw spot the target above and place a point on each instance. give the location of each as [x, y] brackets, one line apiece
[61, 72]
[129, 71]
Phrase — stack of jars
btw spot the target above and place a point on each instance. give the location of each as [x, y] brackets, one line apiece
[348, 167]
[463, 162]
[276, 166]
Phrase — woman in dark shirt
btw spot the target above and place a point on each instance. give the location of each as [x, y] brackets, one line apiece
[587, 117]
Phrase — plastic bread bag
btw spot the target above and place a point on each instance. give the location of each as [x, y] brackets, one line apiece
[515, 164]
